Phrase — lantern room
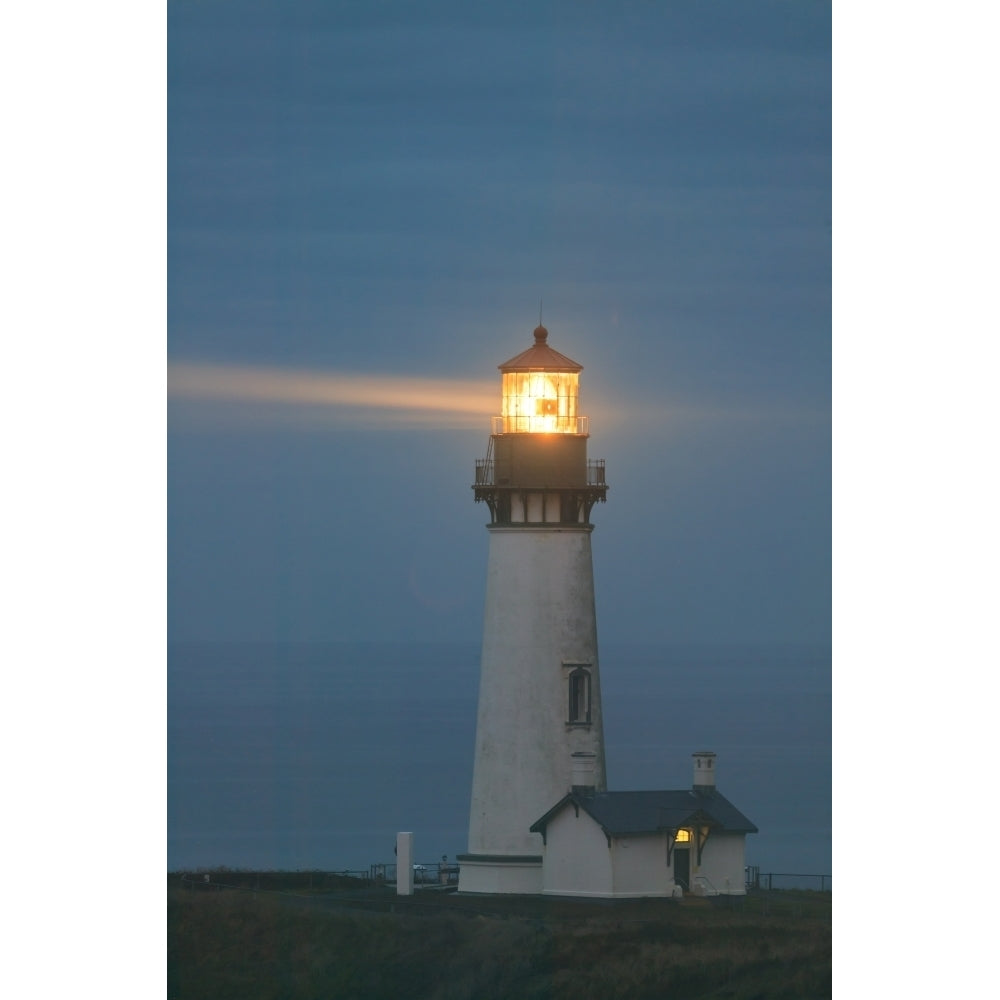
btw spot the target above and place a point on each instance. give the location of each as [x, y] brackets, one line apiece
[540, 390]
[536, 469]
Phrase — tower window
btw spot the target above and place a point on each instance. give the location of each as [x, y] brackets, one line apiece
[579, 696]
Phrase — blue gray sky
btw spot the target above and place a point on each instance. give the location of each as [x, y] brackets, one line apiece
[367, 203]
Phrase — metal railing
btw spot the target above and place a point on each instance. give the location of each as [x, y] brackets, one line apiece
[313, 880]
[766, 881]
[706, 886]
[595, 472]
[528, 425]
[433, 873]
[486, 472]
[440, 874]
[436, 873]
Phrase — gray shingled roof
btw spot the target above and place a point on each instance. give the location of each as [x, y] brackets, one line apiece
[622, 813]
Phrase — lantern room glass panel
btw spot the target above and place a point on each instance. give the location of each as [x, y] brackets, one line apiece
[540, 402]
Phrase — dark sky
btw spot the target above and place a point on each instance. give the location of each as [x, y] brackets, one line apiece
[366, 204]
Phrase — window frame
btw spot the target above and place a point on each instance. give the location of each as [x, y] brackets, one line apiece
[579, 694]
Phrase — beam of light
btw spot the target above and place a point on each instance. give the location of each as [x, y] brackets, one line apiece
[397, 399]
[295, 398]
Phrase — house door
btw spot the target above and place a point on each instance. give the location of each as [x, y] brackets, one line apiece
[682, 868]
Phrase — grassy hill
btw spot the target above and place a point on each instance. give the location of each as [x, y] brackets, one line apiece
[368, 944]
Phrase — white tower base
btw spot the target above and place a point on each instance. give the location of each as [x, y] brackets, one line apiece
[539, 699]
[495, 873]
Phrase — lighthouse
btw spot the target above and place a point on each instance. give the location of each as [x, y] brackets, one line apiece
[539, 730]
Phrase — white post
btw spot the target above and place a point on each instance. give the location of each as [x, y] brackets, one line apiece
[404, 864]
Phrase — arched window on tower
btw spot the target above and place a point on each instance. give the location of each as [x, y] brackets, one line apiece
[579, 697]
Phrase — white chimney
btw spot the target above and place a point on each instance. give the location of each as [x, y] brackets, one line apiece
[704, 771]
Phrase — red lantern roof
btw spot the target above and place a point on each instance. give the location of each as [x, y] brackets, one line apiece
[540, 357]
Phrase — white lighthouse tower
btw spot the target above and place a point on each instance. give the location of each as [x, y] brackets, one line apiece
[539, 728]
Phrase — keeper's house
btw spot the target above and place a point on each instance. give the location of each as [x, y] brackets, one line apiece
[659, 843]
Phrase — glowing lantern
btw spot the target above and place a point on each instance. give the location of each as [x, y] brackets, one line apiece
[539, 390]
[536, 469]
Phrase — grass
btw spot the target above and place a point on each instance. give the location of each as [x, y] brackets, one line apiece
[370, 944]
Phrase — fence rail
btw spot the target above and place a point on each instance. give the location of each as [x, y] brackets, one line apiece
[486, 471]
[758, 880]
[437, 873]
[433, 873]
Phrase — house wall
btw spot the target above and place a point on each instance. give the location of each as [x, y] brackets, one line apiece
[722, 866]
[577, 861]
[639, 866]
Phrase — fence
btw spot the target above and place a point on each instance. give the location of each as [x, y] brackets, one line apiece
[272, 881]
[435, 873]
[758, 880]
